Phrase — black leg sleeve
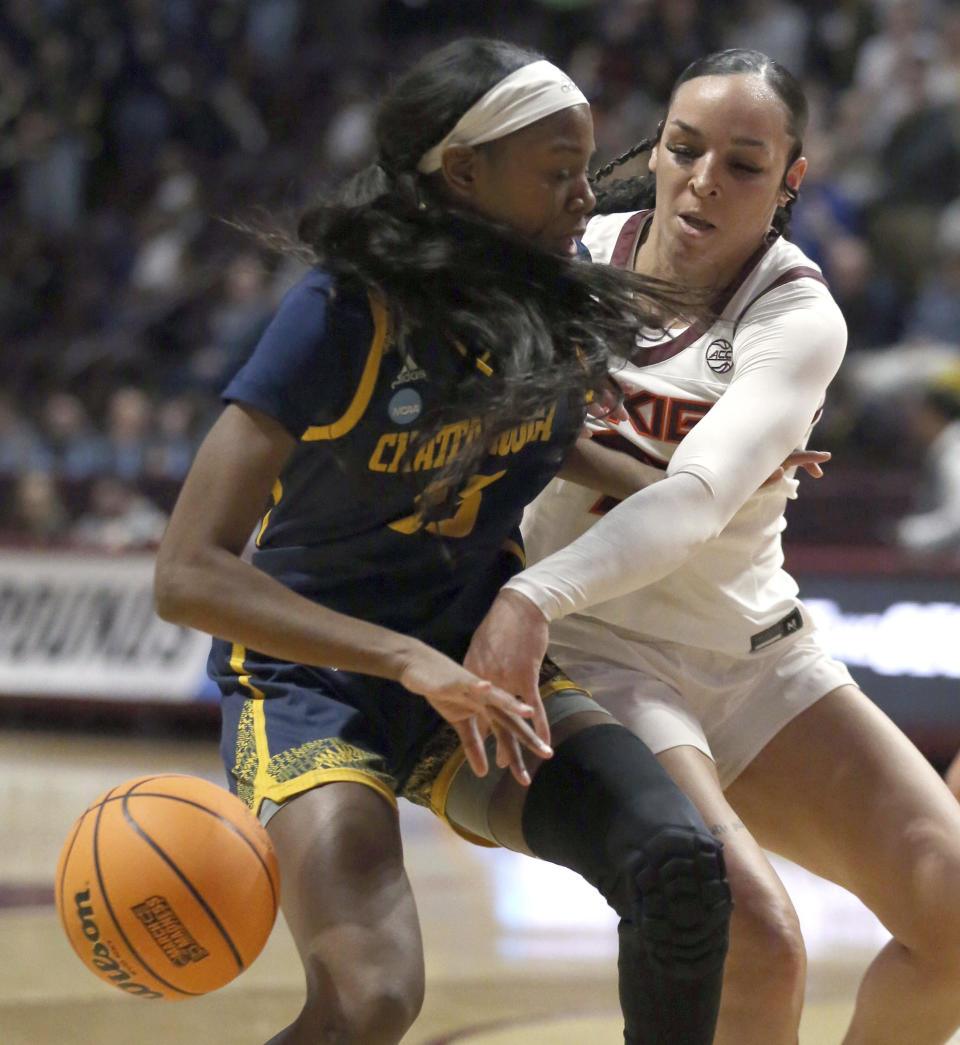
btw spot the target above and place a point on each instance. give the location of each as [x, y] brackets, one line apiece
[605, 807]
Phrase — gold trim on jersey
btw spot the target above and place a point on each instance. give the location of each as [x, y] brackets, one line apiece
[276, 493]
[480, 362]
[515, 549]
[368, 380]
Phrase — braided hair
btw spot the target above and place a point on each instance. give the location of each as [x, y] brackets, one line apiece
[546, 325]
[639, 193]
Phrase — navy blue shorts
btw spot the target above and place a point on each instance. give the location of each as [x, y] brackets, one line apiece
[288, 728]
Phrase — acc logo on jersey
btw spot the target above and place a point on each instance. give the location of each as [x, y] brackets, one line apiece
[405, 406]
[720, 356]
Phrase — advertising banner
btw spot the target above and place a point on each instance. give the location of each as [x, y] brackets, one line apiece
[77, 625]
[80, 625]
[899, 634]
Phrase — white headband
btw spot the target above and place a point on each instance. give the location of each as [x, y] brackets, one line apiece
[525, 96]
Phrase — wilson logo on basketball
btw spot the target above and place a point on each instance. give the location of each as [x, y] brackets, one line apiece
[102, 959]
[164, 861]
[720, 356]
[168, 932]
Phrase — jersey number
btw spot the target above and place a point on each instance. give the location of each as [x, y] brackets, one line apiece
[464, 518]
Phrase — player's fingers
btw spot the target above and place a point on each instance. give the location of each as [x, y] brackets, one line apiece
[507, 745]
[809, 460]
[511, 711]
[807, 457]
[529, 704]
[514, 759]
[469, 733]
[509, 751]
[522, 732]
[541, 725]
[495, 697]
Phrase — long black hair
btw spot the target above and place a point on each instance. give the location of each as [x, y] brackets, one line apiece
[639, 193]
[546, 325]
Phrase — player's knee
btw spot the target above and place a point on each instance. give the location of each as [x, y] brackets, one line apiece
[386, 1017]
[931, 903]
[682, 903]
[360, 1003]
[923, 895]
[606, 808]
[380, 1012]
[770, 953]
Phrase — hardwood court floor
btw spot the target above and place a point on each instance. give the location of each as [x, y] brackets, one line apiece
[518, 952]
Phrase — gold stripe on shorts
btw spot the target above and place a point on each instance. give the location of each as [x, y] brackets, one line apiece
[292, 771]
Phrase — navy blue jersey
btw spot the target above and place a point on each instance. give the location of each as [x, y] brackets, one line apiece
[343, 527]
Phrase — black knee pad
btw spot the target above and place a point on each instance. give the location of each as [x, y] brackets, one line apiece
[683, 902]
[605, 807]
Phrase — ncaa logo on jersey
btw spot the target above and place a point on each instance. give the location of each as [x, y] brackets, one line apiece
[405, 406]
[720, 356]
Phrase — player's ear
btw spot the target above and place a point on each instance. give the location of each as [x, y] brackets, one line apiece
[655, 148]
[794, 176]
[458, 169]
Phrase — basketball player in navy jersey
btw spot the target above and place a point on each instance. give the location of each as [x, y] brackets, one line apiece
[415, 391]
[674, 608]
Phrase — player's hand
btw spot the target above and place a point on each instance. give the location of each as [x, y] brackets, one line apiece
[508, 648]
[607, 403]
[474, 706]
[808, 460]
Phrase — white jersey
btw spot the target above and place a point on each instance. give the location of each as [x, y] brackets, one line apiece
[696, 558]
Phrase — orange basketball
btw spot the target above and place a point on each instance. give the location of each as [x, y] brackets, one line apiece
[167, 887]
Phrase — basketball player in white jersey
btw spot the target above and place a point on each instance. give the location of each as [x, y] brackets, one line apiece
[673, 608]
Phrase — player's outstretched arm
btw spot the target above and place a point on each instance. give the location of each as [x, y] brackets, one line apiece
[618, 474]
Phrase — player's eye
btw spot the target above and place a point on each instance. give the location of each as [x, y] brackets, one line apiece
[682, 152]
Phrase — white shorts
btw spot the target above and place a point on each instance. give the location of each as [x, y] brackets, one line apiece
[671, 694]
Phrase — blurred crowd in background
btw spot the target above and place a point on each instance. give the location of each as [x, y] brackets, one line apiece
[136, 134]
